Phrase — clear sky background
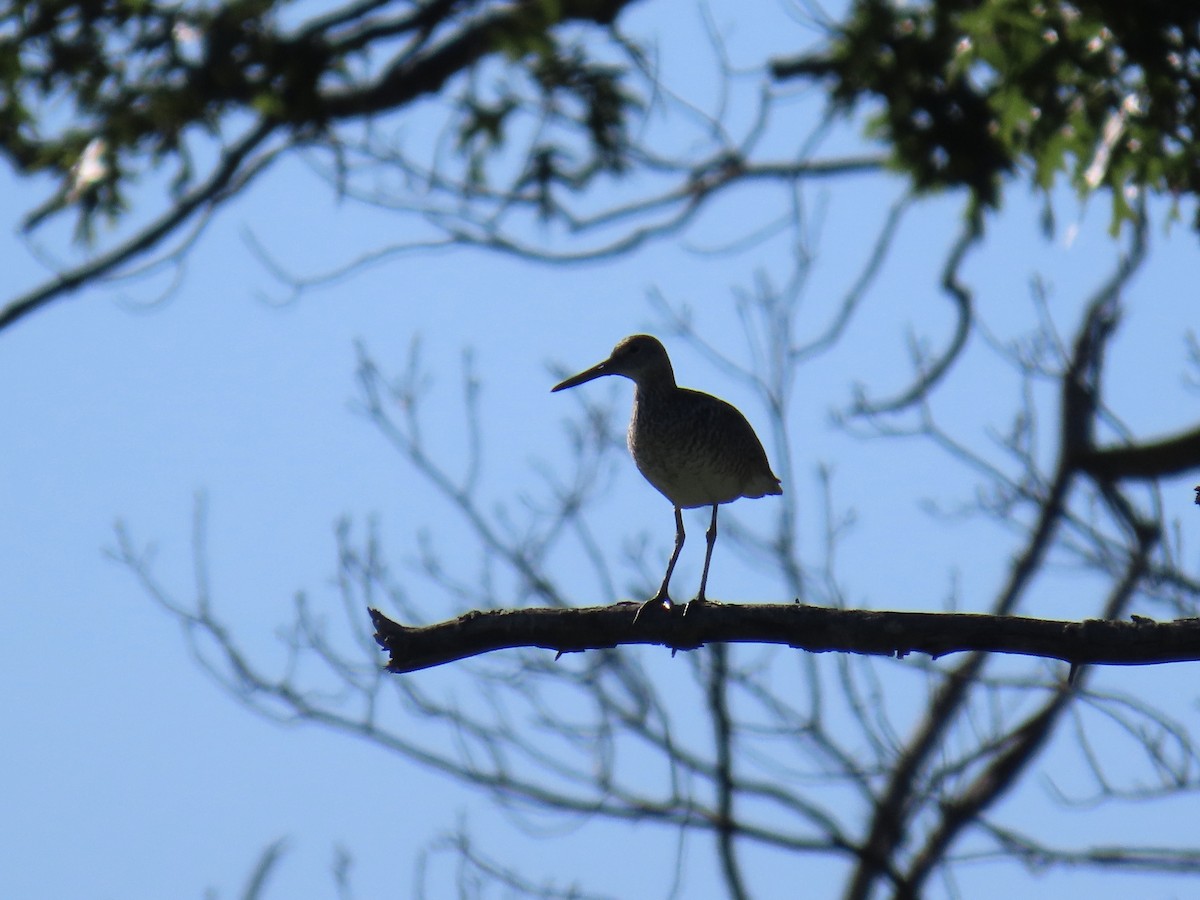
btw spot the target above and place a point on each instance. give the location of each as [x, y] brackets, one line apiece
[127, 774]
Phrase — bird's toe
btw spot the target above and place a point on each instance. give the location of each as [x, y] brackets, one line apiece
[658, 599]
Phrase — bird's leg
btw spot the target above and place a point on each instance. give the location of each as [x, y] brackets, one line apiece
[662, 596]
[711, 534]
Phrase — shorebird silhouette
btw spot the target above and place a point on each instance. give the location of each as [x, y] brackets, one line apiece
[696, 449]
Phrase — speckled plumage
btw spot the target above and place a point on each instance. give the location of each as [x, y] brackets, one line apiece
[696, 449]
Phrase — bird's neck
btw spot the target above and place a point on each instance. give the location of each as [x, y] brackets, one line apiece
[651, 390]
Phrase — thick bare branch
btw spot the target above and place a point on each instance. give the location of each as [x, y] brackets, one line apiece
[813, 628]
[408, 78]
[1169, 456]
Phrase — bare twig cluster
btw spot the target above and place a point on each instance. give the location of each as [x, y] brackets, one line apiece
[892, 773]
[807, 753]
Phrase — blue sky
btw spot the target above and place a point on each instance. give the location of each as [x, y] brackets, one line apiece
[129, 775]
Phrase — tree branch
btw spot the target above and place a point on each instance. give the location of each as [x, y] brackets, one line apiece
[1170, 456]
[236, 167]
[408, 78]
[952, 285]
[718, 706]
[813, 628]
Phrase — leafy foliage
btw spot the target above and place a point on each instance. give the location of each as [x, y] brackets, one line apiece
[896, 793]
[138, 78]
[1104, 91]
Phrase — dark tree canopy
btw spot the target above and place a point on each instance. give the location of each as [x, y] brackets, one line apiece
[197, 100]
[139, 75]
[534, 135]
[104, 96]
[967, 93]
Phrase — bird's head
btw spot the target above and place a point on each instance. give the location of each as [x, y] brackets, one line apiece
[640, 357]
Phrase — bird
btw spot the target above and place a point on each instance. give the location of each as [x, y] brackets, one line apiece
[694, 448]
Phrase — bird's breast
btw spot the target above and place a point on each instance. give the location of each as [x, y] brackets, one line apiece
[697, 450]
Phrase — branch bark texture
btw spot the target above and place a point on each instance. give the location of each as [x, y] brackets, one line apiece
[1139, 641]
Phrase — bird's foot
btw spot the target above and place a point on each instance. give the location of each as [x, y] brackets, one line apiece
[657, 598]
[698, 600]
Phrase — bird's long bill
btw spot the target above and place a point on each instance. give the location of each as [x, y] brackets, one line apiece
[594, 372]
